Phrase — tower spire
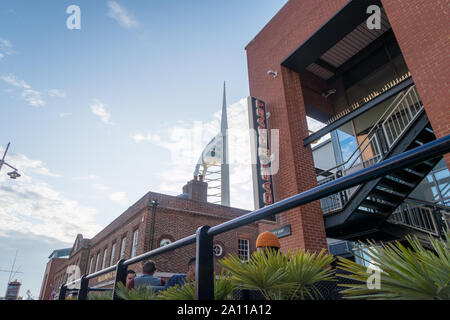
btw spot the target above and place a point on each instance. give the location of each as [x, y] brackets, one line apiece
[224, 168]
[224, 123]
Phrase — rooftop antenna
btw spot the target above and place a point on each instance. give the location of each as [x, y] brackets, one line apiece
[12, 268]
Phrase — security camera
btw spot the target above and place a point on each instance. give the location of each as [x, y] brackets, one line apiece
[273, 73]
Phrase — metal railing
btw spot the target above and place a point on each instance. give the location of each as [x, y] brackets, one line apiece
[204, 282]
[422, 215]
[391, 125]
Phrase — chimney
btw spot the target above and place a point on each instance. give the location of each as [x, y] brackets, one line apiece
[196, 189]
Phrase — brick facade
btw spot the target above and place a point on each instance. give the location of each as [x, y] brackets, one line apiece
[421, 28]
[284, 99]
[175, 219]
[49, 277]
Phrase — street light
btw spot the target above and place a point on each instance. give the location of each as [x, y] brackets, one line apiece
[13, 174]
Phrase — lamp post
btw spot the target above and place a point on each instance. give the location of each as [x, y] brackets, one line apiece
[13, 174]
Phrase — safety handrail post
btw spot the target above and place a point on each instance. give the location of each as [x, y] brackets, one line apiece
[204, 267]
[121, 276]
[84, 288]
[62, 292]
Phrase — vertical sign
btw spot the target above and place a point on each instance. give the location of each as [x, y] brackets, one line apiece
[261, 154]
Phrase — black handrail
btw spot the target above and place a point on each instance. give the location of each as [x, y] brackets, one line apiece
[204, 235]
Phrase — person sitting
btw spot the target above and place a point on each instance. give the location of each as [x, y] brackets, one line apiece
[130, 276]
[147, 278]
[181, 279]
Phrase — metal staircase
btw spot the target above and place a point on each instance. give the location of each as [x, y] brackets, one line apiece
[362, 212]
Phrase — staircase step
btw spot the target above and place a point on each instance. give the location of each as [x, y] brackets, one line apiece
[361, 211]
[405, 176]
[419, 175]
[393, 185]
[376, 206]
[387, 196]
[426, 136]
[423, 168]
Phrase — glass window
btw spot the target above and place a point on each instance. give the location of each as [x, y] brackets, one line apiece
[243, 250]
[91, 264]
[165, 242]
[113, 252]
[97, 263]
[122, 249]
[217, 249]
[135, 243]
[104, 258]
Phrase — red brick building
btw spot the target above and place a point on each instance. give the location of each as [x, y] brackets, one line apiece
[130, 235]
[57, 260]
[322, 59]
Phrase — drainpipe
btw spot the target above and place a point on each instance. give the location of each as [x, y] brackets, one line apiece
[152, 231]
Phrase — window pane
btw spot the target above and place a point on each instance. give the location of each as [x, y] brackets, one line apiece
[113, 252]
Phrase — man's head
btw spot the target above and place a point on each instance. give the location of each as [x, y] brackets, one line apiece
[267, 240]
[149, 267]
[130, 275]
[190, 276]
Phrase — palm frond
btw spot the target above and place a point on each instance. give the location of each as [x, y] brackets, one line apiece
[405, 273]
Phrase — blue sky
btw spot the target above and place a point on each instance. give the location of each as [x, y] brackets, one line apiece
[97, 117]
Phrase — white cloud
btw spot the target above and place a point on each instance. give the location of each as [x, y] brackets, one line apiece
[65, 114]
[31, 206]
[99, 109]
[100, 187]
[5, 48]
[56, 93]
[12, 80]
[33, 97]
[119, 197]
[121, 15]
[186, 140]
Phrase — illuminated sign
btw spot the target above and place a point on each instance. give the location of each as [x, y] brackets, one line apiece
[261, 154]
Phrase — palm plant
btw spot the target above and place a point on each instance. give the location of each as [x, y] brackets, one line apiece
[280, 276]
[139, 293]
[100, 296]
[405, 273]
[223, 290]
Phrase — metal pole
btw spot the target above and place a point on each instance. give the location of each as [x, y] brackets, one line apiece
[121, 276]
[152, 231]
[4, 156]
[62, 292]
[84, 288]
[204, 267]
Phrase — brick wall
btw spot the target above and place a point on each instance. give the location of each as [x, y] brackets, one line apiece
[48, 282]
[283, 95]
[421, 28]
[176, 218]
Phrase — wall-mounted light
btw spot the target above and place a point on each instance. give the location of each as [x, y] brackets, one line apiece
[328, 93]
